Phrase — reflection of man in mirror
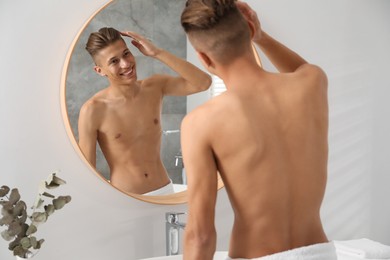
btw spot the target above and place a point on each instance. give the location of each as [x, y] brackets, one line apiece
[266, 135]
[124, 118]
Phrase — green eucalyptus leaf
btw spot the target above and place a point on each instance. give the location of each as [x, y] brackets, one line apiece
[25, 242]
[23, 232]
[7, 209]
[49, 179]
[39, 243]
[3, 202]
[58, 180]
[6, 220]
[60, 202]
[23, 218]
[53, 181]
[34, 242]
[14, 196]
[14, 243]
[4, 191]
[46, 194]
[38, 202]
[39, 217]
[19, 251]
[19, 208]
[31, 230]
[15, 228]
[6, 236]
[49, 209]
[68, 199]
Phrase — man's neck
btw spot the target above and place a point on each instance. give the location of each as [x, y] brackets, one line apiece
[124, 90]
[242, 72]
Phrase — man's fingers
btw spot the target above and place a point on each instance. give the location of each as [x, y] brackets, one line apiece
[248, 13]
[243, 7]
[132, 35]
[246, 10]
[136, 44]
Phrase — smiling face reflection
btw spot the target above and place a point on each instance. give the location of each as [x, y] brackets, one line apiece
[117, 63]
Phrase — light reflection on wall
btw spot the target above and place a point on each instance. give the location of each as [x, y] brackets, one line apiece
[349, 167]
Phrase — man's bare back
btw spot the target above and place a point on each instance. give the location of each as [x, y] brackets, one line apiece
[275, 164]
[267, 138]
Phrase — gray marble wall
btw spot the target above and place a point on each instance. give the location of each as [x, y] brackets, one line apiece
[158, 20]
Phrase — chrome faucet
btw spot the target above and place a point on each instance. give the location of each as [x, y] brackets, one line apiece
[172, 232]
[179, 157]
[168, 132]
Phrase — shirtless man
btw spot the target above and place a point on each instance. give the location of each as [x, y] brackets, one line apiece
[124, 118]
[266, 136]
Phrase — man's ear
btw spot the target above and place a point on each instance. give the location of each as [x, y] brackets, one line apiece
[98, 70]
[206, 60]
[251, 29]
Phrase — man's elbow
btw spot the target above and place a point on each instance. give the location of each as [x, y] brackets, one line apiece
[208, 81]
[204, 240]
[205, 83]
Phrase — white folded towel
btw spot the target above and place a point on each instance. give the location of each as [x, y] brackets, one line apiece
[363, 248]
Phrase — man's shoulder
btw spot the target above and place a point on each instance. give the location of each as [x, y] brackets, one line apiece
[311, 72]
[93, 102]
[154, 80]
[196, 116]
[197, 124]
[307, 77]
[93, 105]
[207, 113]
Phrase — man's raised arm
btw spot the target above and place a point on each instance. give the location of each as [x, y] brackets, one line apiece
[191, 79]
[283, 58]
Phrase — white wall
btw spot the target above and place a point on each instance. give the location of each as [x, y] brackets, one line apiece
[346, 38]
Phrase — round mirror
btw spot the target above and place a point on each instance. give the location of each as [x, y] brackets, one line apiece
[159, 21]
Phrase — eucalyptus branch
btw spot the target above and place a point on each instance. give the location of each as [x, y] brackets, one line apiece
[14, 215]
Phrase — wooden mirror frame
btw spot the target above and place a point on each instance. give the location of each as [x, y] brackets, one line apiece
[172, 199]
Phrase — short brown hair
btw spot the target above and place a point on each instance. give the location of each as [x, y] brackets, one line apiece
[217, 26]
[101, 39]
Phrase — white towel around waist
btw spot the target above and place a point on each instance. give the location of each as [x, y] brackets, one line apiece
[166, 190]
[323, 251]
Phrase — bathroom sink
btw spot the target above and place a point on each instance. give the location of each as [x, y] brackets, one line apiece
[219, 255]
